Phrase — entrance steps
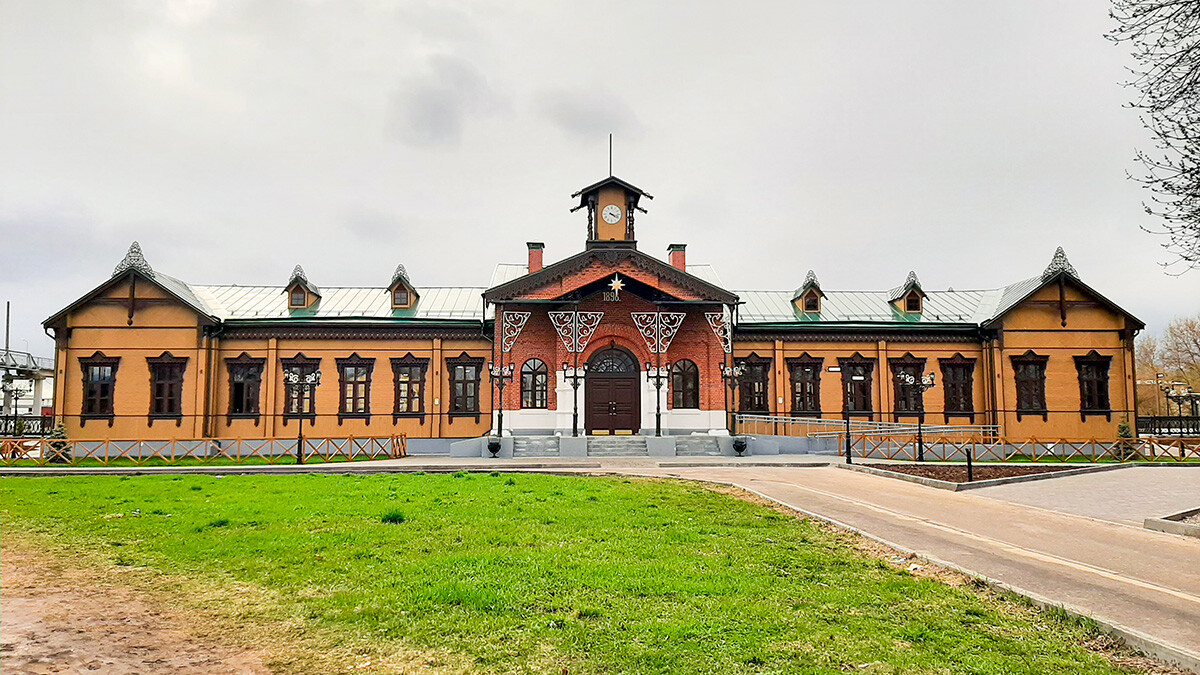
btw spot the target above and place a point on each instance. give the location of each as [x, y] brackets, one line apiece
[617, 446]
[697, 446]
[535, 446]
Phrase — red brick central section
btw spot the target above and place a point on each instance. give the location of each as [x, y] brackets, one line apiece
[694, 341]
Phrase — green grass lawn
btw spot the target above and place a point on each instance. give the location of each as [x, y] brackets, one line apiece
[532, 573]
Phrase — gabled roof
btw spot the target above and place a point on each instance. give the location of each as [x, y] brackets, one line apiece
[611, 180]
[134, 265]
[810, 283]
[298, 278]
[517, 287]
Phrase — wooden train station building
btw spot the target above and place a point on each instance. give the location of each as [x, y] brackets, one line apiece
[611, 340]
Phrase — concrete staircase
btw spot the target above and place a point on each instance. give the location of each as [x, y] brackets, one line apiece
[617, 446]
[697, 446]
[535, 446]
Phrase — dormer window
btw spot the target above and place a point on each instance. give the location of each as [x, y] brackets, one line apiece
[912, 303]
[812, 302]
[298, 298]
[400, 297]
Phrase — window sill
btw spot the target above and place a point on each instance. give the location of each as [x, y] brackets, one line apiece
[452, 415]
[242, 416]
[311, 417]
[86, 417]
[177, 418]
[1044, 414]
[342, 417]
[409, 416]
[1083, 414]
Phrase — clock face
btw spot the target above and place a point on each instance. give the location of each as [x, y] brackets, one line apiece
[611, 213]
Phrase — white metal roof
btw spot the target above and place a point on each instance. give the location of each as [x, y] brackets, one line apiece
[270, 302]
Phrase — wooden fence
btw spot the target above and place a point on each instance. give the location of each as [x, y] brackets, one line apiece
[43, 451]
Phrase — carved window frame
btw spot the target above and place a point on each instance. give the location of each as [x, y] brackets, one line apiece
[305, 366]
[955, 389]
[1094, 384]
[862, 390]
[805, 374]
[535, 385]
[413, 389]
[907, 400]
[754, 386]
[685, 385]
[248, 372]
[464, 401]
[98, 394]
[1029, 378]
[358, 391]
[166, 387]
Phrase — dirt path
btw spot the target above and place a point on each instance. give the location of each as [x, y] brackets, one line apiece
[57, 620]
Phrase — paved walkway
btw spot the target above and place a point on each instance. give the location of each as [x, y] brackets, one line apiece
[1068, 541]
[1129, 495]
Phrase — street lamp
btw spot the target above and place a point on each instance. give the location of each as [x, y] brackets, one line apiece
[1178, 393]
[849, 443]
[731, 375]
[658, 378]
[922, 385]
[301, 388]
[501, 374]
[575, 377]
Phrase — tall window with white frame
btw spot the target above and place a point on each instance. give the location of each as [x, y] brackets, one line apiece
[535, 384]
[685, 385]
[409, 380]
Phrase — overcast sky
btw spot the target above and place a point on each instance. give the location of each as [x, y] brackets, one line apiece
[962, 139]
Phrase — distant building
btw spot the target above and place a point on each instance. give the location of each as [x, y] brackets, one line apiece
[145, 355]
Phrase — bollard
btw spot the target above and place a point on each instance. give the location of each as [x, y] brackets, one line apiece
[969, 472]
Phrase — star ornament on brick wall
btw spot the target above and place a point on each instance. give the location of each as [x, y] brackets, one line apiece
[616, 284]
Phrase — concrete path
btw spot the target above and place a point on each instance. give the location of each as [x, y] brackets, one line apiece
[1065, 541]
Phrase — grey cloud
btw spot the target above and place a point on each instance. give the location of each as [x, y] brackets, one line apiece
[588, 115]
[433, 110]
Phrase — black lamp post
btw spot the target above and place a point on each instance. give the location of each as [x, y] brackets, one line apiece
[301, 388]
[657, 375]
[1177, 395]
[849, 443]
[501, 374]
[575, 376]
[1161, 384]
[731, 375]
[922, 385]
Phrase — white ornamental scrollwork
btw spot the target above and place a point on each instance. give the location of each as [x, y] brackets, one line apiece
[510, 328]
[575, 329]
[720, 328]
[658, 329]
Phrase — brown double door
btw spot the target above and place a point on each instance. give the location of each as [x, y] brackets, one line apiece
[612, 399]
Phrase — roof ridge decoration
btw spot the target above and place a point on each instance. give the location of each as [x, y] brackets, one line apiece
[1059, 264]
[134, 260]
[399, 274]
[297, 273]
[810, 282]
[298, 277]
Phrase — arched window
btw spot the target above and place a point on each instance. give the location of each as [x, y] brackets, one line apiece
[534, 383]
[685, 385]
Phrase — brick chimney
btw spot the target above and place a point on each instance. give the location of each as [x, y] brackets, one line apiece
[535, 255]
[677, 253]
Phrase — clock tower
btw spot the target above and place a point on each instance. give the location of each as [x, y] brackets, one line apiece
[610, 205]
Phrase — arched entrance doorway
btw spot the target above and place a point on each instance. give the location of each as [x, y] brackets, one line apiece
[612, 393]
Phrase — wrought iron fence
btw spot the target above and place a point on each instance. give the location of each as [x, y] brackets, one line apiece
[1168, 425]
[44, 451]
[26, 425]
[817, 427]
[999, 449]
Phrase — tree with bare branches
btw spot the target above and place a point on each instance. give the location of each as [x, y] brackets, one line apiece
[1164, 37]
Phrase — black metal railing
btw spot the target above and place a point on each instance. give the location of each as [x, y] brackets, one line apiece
[1168, 425]
[26, 426]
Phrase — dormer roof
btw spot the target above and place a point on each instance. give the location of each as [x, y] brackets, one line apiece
[910, 284]
[810, 284]
[299, 279]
